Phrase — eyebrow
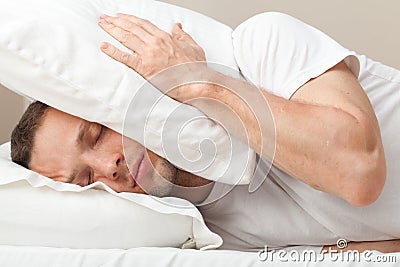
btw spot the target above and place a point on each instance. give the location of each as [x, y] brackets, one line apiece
[72, 177]
[83, 128]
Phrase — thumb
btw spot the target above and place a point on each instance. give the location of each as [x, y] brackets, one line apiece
[177, 30]
[180, 34]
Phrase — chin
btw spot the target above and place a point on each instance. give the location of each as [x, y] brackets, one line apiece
[160, 181]
[161, 191]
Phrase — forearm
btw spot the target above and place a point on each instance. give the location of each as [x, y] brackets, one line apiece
[330, 141]
[388, 246]
[319, 145]
[304, 149]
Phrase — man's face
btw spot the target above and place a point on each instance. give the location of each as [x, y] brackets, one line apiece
[71, 150]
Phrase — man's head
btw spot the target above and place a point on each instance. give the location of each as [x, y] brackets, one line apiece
[72, 150]
[23, 134]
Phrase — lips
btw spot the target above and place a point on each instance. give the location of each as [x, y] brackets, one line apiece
[133, 180]
[142, 170]
[134, 171]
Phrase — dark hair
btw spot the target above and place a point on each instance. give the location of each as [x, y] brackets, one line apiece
[22, 137]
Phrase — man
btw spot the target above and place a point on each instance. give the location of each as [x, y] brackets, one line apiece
[329, 148]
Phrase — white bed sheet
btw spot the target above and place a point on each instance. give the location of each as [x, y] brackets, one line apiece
[13, 256]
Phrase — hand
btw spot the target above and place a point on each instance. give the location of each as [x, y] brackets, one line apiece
[153, 50]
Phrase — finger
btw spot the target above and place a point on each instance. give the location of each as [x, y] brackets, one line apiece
[128, 39]
[177, 31]
[129, 26]
[145, 24]
[125, 58]
[180, 34]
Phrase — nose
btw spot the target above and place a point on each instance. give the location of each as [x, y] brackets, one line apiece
[108, 166]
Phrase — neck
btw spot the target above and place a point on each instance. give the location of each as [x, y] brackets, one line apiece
[191, 187]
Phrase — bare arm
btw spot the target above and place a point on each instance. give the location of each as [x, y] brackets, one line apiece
[388, 246]
[327, 135]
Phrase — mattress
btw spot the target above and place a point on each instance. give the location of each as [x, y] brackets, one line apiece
[11, 256]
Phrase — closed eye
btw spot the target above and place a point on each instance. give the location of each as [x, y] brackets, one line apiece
[90, 180]
[99, 134]
[98, 138]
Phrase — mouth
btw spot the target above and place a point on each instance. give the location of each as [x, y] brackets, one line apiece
[133, 180]
[138, 171]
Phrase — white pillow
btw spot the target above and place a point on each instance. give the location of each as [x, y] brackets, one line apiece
[49, 51]
[42, 216]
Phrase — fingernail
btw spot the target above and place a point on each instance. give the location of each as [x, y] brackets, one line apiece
[104, 46]
[103, 16]
[180, 25]
[103, 21]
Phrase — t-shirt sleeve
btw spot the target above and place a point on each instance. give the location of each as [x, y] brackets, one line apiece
[279, 53]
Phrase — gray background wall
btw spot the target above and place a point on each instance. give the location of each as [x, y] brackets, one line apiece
[369, 27]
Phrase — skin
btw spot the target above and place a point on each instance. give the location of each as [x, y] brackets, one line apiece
[388, 246]
[345, 155]
[98, 157]
[55, 161]
[347, 131]
[93, 153]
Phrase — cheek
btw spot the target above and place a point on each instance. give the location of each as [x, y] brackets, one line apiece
[113, 140]
[152, 157]
[129, 145]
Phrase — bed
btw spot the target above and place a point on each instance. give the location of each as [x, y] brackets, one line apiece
[12, 256]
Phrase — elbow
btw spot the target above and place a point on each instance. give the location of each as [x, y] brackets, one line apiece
[366, 193]
[368, 178]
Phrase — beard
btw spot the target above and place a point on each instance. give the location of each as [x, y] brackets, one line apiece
[161, 181]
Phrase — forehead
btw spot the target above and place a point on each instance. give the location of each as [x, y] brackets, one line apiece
[55, 144]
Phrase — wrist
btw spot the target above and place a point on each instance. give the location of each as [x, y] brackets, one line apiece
[197, 81]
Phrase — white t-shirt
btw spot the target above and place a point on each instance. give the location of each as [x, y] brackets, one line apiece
[279, 53]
